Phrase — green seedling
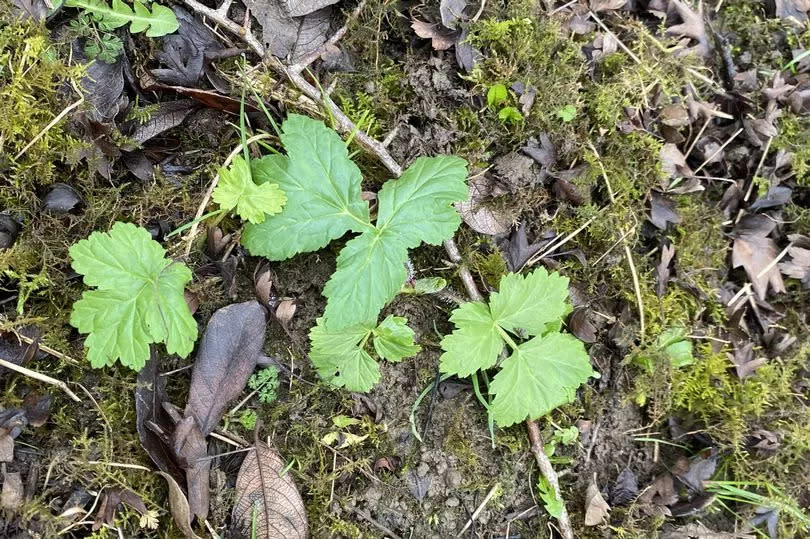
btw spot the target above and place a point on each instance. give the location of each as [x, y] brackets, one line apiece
[323, 189]
[265, 383]
[138, 298]
[567, 113]
[545, 366]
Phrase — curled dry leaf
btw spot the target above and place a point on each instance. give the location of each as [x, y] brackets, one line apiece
[178, 504]
[191, 449]
[267, 499]
[581, 326]
[478, 214]
[596, 508]
[285, 311]
[692, 26]
[663, 271]
[440, 37]
[798, 267]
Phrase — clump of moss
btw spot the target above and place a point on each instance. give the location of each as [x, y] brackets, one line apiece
[34, 89]
[794, 137]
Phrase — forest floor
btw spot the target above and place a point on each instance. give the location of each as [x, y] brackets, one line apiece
[654, 152]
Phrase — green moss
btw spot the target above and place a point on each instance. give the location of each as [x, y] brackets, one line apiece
[794, 137]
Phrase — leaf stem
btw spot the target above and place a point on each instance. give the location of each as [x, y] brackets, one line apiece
[506, 337]
[485, 403]
[194, 222]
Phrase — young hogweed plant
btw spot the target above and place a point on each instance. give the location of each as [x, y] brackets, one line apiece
[323, 189]
[545, 366]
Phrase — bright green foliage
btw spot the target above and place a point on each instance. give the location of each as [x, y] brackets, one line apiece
[236, 189]
[323, 188]
[138, 299]
[342, 357]
[551, 500]
[248, 419]
[426, 285]
[496, 95]
[159, 22]
[416, 208]
[672, 345]
[510, 115]
[266, 383]
[567, 113]
[541, 373]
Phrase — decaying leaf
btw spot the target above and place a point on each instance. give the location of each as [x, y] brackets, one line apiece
[625, 489]
[480, 215]
[699, 531]
[755, 252]
[178, 504]
[662, 270]
[692, 26]
[113, 498]
[596, 508]
[440, 37]
[743, 360]
[227, 356]
[267, 499]
[167, 116]
[606, 5]
[191, 449]
[286, 34]
[792, 8]
[581, 326]
[517, 249]
[673, 162]
[798, 267]
[153, 423]
[663, 211]
[451, 12]
[13, 492]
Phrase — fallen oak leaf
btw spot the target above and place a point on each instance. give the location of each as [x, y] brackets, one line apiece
[267, 499]
[755, 252]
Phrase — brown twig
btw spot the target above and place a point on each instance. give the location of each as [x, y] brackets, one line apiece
[548, 472]
[344, 124]
[463, 271]
[41, 377]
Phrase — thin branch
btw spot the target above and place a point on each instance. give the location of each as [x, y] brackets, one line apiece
[477, 512]
[41, 377]
[50, 125]
[306, 61]
[463, 271]
[344, 124]
[544, 464]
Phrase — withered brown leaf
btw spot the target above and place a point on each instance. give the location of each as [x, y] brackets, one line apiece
[261, 483]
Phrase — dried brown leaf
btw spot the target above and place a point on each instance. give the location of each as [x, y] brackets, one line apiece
[191, 449]
[662, 270]
[441, 38]
[673, 162]
[178, 504]
[285, 311]
[692, 26]
[263, 485]
[798, 267]
[228, 353]
[153, 423]
[755, 251]
[6, 446]
[744, 362]
[13, 491]
[596, 508]
[663, 211]
[479, 215]
[792, 8]
[581, 326]
[606, 5]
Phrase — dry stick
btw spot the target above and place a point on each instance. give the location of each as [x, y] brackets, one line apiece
[548, 472]
[41, 377]
[47, 349]
[344, 124]
[477, 512]
[627, 253]
[746, 289]
[463, 271]
[716, 152]
[50, 125]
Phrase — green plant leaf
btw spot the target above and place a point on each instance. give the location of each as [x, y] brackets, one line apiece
[510, 115]
[551, 501]
[475, 344]
[531, 302]
[567, 113]
[418, 207]
[542, 374]
[323, 189]
[236, 189]
[496, 95]
[341, 356]
[415, 208]
[159, 22]
[139, 298]
[393, 339]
